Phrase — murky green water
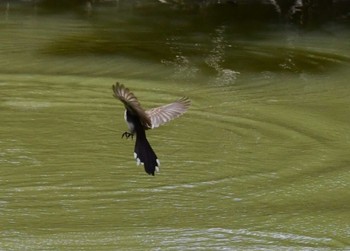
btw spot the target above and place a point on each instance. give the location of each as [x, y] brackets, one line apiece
[260, 161]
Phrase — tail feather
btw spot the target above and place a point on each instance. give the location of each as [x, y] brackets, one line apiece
[145, 155]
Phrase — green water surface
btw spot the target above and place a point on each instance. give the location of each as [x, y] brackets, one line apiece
[259, 162]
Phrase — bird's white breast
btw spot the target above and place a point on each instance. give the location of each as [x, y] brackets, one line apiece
[130, 125]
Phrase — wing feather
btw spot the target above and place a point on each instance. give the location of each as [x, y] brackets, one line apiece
[131, 103]
[163, 114]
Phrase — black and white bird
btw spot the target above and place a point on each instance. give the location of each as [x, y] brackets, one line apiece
[140, 120]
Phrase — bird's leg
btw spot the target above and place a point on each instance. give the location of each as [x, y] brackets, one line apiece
[128, 135]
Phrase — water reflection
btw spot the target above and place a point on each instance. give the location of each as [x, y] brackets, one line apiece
[228, 51]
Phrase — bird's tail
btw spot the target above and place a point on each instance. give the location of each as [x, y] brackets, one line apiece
[145, 155]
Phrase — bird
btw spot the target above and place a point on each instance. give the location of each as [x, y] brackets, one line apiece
[139, 120]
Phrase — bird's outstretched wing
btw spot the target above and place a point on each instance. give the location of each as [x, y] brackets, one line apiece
[163, 114]
[131, 103]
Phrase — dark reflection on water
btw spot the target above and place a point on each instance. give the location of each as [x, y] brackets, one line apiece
[165, 35]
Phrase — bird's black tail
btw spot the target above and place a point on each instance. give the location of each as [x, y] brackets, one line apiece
[145, 155]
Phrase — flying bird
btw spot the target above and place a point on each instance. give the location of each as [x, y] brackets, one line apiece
[140, 120]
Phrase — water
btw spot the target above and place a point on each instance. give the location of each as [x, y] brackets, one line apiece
[259, 162]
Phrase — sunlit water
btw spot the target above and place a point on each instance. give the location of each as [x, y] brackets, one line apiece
[259, 162]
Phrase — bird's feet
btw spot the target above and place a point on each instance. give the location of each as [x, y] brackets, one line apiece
[127, 135]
